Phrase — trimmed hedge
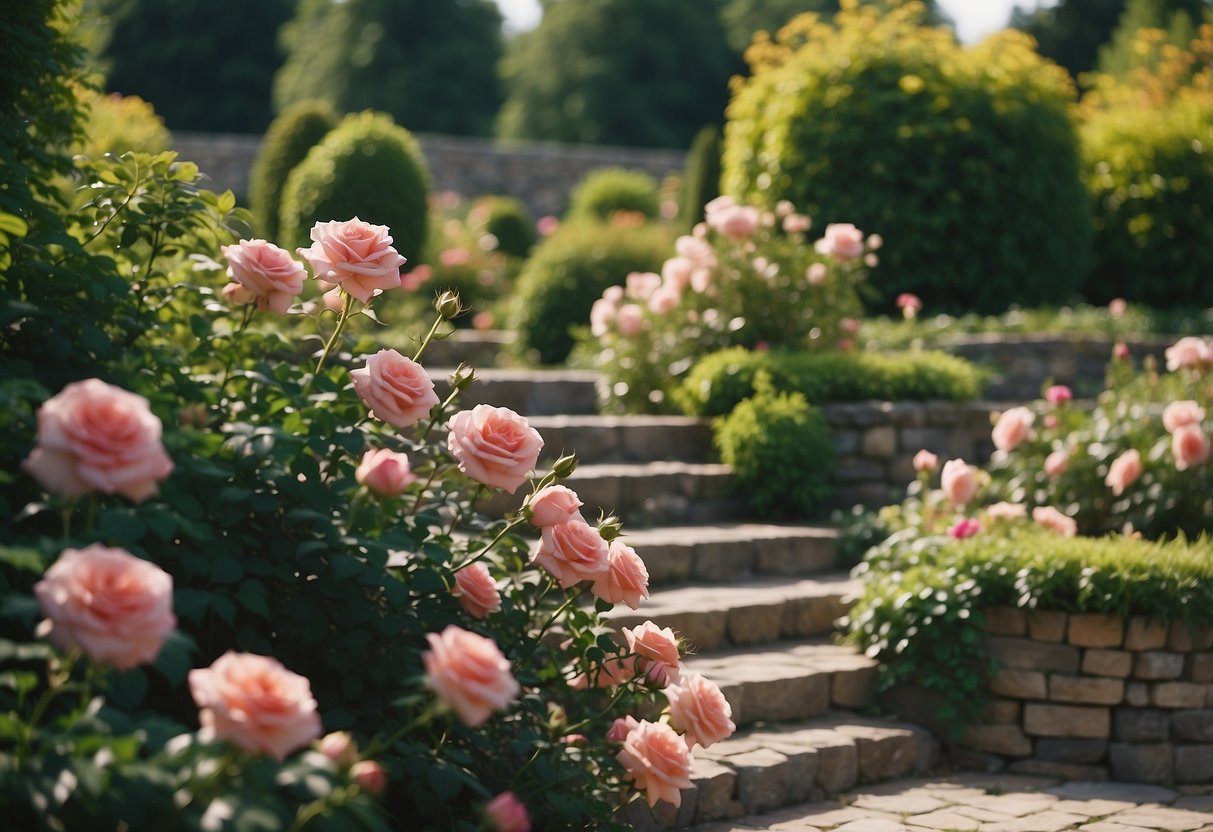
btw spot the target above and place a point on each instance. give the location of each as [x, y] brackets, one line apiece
[701, 180]
[286, 143]
[607, 190]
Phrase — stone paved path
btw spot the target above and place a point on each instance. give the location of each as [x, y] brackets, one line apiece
[993, 803]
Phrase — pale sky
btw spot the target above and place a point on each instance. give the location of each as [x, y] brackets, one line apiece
[974, 18]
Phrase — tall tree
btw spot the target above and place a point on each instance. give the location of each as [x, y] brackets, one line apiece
[431, 64]
[626, 72]
[1120, 55]
[742, 18]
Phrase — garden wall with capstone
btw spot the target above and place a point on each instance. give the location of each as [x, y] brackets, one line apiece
[541, 174]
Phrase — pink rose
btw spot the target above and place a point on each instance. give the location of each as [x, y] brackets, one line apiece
[506, 813]
[397, 390]
[553, 505]
[483, 321]
[333, 300]
[1056, 463]
[1190, 447]
[93, 436]
[697, 250]
[452, 257]
[1007, 511]
[1187, 352]
[234, 293]
[354, 254]
[1050, 518]
[111, 605]
[602, 314]
[964, 528]
[547, 225]
[849, 326]
[816, 274]
[339, 746]
[1014, 426]
[642, 285]
[494, 446]
[737, 222]
[1179, 414]
[664, 300]
[797, 223]
[417, 277]
[267, 272]
[676, 272]
[477, 591]
[626, 580]
[875, 241]
[1051, 421]
[255, 703]
[656, 651]
[629, 320]
[925, 461]
[468, 672]
[1120, 351]
[1123, 472]
[620, 728]
[1058, 394]
[842, 241]
[572, 552]
[699, 710]
[1117, 307]
[909, 304]
[658, 761]
[959, 481]
[369, 776]
[384, 472]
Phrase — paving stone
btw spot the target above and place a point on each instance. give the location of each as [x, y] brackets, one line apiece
[883, 752]
[900, 804]
[1154, 665]
[1195, 802]
[1092, 808]
[1095, 630]
[763, 777]
[1143, 633]
[1178, 695]
[1141, 762]
[1047, 626]
[944, 819]
[1193, 763]
[1014, 804]
[715, 784]
[1024, 654]
[1046, 821]
[1108, 826]
[1117, 663]
[1141, 725]
[982, 814]
[855, 689]
[870, 824]
[1161, 817]
[1066, 721]
[1085, 690]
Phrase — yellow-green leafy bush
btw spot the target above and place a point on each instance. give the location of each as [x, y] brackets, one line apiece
[608, 190]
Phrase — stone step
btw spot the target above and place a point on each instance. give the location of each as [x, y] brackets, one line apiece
[481, 349]
[603, 439]
[772, 766]
[528, 392]
[759, 611]
[731, 552]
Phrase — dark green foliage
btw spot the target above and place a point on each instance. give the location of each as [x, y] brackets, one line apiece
[719, 381]
[510, 223]
[618, 72]
[368, 167]
[964, 160]
[300, 128]
[781, 453]
[701, 182]
[607, 190]
[431, 64]
[568, 272]
[204, 65]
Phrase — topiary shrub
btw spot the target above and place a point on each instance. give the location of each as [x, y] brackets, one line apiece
[368, 167]
[701, 182]
[964, 159]
[117, 124]
[286, 143]
[569, 271]
[608, 190]
[508, 220]
[780, 450]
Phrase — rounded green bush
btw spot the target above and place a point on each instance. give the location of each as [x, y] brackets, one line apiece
[570, 270]
[701, 182]
[509, 221]
[286, 143]
[1150, 174]
[964, 159]
[607, 190]
[368, 167]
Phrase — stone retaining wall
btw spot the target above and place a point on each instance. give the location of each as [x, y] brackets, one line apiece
[1096, 697]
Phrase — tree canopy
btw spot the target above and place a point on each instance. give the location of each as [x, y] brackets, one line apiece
[742, 18]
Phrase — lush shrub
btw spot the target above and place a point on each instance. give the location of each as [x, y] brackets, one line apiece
[608, 190]
[116, 124]
[719, 381]
[964, 159]
[286, 143]
[509, 222]
[568, 271]
[368, 167]
[701, 182]
[781, 453]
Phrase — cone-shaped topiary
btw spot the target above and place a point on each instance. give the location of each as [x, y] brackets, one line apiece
[607, 190]
[286, 143]
[369, 167]
[701, 182]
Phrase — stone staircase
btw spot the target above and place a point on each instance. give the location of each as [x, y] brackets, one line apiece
[756, 603]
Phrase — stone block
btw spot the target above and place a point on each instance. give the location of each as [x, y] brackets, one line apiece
[1006, 739]
[1143, 633]
[853, 469]
[846, 442]
[837, 764]
[1117, 663]
[1083, 752]
[1192, 726]
[1024, 654]
[1137, 694]
[1001, 710]
[1085, 690]
[1047, 626]
[854, 688]
[763, 779]
[884, 753]
[1178, 695]
[1153, 665]
[1193, 763]
[1095, 630]
[1019, 684]
[715, 784]
[1182, 639]
[1141, 725]
[1200, 667]
[757, 623]
[879, 442]
[786, 699]
[811, 616]
[1005, 621]
[1141, 762]
[1084, 722]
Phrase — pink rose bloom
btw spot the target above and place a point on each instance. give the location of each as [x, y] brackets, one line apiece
[875, 241]
[494, 446]
[697, 250]
[1058, 394]
[614, 294]
[849, 325]
[656, 651]
[664, 300]
[964, 527]
[842, 241]
[339, 747]
[369, 776]
[620, 728]
[1190, 447]
[572, 552]
[397, 390]
[1056, 463]
[413, 280]
[1179, 414]
[701, 280]
[1120, 351]
[453, 257]
[234, 293]
[354, 254]
[1187, 352]
[959, 481]
[553, 505]
[333, 300]
[1123, 472]
[602, 314]
[468, 672]
[1116, 307]
[93, 436]
[816, 274]
[506, 813]
[658, 761]
[1051, 421]
[255, 703]
[547, 225]
[699, 711]
[1050, 518]
[626, 581]
[925, 461]
[629, 320]
[642, 285]
[1007, 511]
[676, 272]
[113, 606]
[872, 261]
[477, 591]
[267, 272]
[483, 321]
[797, 223]
[909, 304]
[737, 222]
[1014, 426]
[384, 472]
